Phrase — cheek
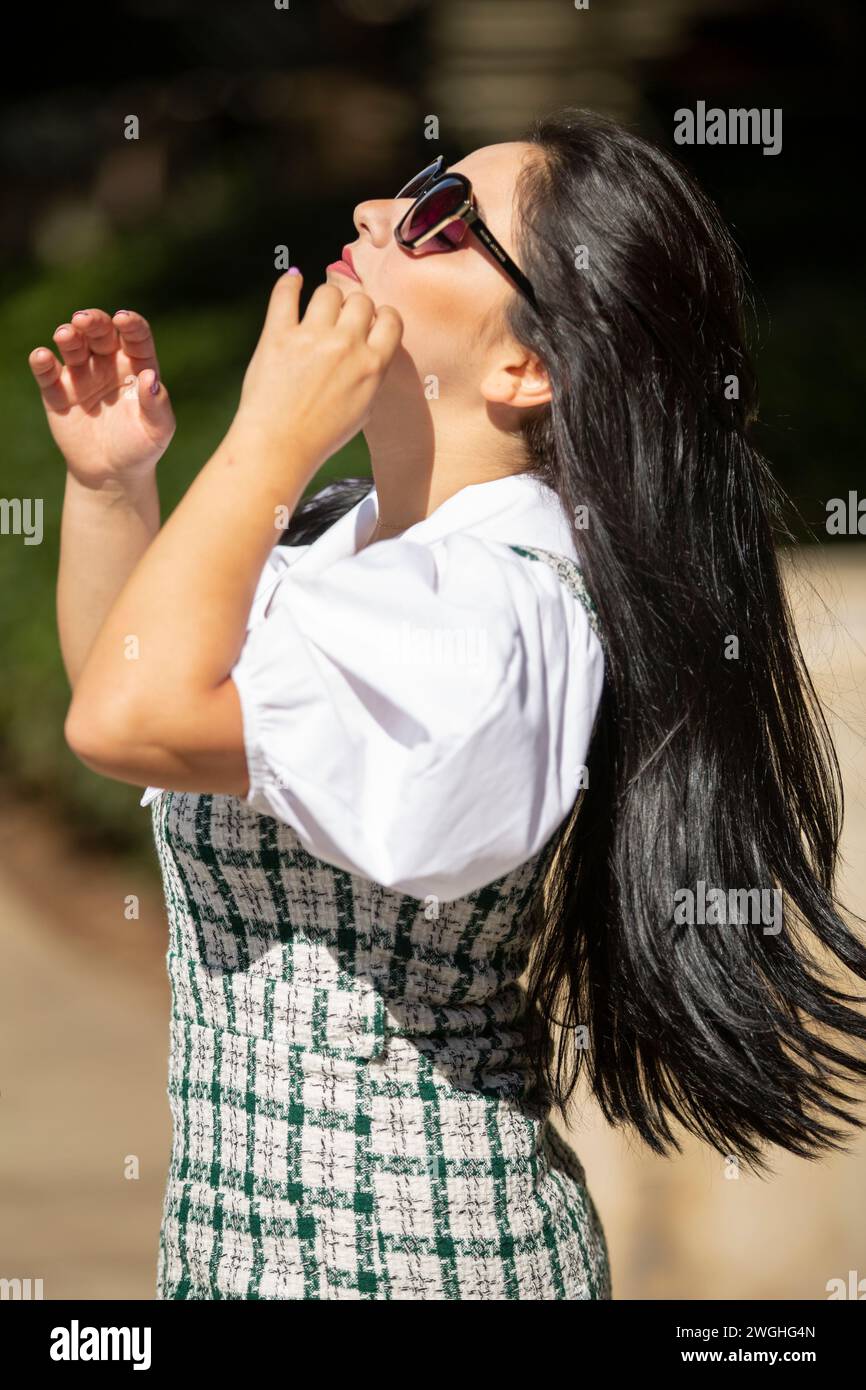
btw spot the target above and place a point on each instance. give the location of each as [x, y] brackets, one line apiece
[439, 318]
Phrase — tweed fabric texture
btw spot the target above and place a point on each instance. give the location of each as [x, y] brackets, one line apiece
[353, 1115]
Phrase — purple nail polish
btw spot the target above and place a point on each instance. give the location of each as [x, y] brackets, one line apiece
[154, 386]
[293, 270]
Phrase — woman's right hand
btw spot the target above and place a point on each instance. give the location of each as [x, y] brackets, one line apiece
[105, 420]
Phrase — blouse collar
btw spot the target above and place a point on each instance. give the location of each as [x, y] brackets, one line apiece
[517, 509]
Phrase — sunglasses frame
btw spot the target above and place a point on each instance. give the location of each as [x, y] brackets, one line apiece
[468, 214]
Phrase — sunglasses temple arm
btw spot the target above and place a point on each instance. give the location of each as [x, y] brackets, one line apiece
[486, 237]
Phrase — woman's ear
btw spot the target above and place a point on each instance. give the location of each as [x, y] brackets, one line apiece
[520, 380]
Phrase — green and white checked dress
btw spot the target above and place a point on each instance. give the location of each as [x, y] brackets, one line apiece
[348, 1078]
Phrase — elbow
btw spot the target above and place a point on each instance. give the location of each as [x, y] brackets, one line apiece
[100, 738]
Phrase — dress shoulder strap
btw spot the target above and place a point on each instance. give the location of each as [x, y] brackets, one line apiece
[571, 575]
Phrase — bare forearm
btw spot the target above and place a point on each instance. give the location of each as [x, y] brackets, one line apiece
[104, 533]
[184, 608]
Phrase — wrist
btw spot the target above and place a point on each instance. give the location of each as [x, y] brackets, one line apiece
[112, 491]
[287, 456]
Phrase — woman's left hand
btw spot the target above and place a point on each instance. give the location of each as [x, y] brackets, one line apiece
[311, 381]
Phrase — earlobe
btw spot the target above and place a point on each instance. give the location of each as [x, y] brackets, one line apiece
[499, 387]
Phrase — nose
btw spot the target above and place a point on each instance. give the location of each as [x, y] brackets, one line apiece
[378, 218]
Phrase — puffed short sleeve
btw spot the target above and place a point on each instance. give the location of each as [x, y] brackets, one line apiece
[420, 714]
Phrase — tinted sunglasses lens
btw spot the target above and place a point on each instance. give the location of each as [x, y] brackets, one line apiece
[442, 200]
[414, 186]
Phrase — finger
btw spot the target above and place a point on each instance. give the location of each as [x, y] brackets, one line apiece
[324, 307]
[72, 345]
[283, 306]
[96, 328]
[357, 312]
[136, 337]
[155, 405]
[386, 333]
[46, 373]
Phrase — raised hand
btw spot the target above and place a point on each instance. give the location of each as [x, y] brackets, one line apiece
[312, 380]
[103, 414]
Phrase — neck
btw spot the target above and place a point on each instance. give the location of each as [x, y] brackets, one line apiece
[422, 454]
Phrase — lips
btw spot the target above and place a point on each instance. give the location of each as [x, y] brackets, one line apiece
[346, 266]
[342, 269]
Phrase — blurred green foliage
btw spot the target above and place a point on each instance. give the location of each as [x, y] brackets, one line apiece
[203, 351]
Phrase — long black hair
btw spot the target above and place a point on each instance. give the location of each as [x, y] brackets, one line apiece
[711, 763]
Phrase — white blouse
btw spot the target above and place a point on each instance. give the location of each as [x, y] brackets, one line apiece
[419, 712]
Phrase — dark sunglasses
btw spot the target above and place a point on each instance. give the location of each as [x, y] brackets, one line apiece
[443, 210]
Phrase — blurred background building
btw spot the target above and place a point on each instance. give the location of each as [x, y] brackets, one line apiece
[261, 127]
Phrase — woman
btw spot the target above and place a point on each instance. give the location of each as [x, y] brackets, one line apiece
[396, 754]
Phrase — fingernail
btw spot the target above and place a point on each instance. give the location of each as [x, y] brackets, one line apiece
[293, 270]
[82, 313]
[154, 387]
[120, 311]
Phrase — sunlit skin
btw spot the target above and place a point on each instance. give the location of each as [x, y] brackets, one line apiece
[423, 450]
[358, 357]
